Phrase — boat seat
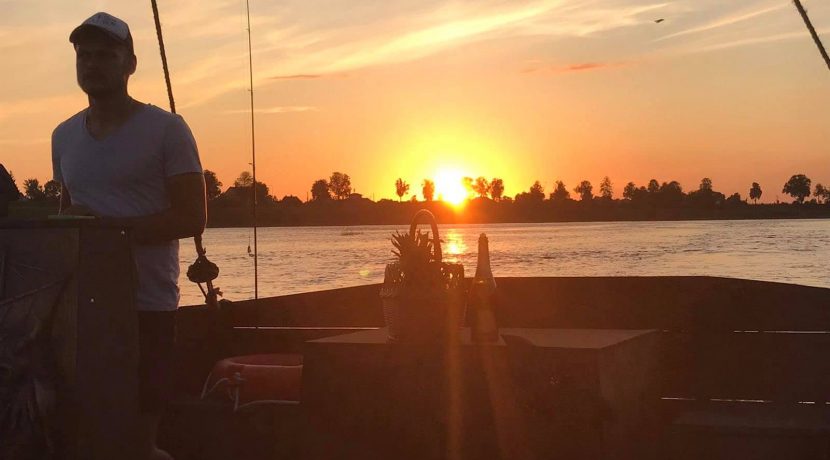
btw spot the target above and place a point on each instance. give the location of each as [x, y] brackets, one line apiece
[752, 431]
[256, 379]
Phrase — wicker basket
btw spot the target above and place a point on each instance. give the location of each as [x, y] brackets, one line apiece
[432, 314]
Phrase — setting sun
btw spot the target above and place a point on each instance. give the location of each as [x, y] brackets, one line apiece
[449, 186]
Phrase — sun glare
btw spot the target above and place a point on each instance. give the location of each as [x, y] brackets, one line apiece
[449, 187]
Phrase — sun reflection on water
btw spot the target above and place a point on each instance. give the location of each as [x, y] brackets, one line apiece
[453, 245]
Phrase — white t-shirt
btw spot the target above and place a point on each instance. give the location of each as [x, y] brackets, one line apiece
[123, 175]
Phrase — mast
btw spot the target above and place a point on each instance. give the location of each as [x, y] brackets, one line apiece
[253, 148]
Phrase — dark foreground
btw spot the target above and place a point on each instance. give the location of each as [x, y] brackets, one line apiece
[590, 367]
[729, 373]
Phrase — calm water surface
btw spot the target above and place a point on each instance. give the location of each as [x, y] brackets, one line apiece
[301, 259]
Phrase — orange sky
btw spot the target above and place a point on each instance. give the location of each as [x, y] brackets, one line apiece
[522, 90]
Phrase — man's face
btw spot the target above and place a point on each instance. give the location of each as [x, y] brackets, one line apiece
[103, 65]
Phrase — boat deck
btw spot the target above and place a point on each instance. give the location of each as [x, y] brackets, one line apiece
[738, 364]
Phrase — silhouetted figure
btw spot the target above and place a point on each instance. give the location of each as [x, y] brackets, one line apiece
[151, 181]
[8, 191]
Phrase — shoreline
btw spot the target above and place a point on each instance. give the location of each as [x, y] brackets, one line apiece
[345, 213]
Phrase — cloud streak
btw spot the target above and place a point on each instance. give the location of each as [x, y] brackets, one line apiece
[275, 110]
[755, 41]
[539, 67]
[34, 141]
[297, 52]
[728, 20]
[297, 77]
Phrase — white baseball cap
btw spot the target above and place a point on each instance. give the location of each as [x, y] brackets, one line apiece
[107, 23]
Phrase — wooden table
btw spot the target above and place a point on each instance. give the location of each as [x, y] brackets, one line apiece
[536, 393]
[79, 273]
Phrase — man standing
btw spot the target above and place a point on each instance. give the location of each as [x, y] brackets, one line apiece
[137, 165]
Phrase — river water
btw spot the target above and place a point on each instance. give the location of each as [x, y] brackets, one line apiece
[301, 259]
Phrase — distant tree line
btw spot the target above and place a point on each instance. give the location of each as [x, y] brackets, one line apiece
[333, 201]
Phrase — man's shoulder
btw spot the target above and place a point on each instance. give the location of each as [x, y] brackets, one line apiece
[69, 124]
[156, 116]
[160, 114]
[157, 112]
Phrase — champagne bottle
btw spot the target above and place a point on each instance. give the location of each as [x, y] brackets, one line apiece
[481, 297]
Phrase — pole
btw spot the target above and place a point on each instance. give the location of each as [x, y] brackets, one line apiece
[253, 149]
[813, 32]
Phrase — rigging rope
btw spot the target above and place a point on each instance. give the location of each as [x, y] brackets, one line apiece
[163, 56]
[812, 30]
[203, 270]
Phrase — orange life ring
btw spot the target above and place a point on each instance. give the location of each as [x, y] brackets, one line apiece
[266, 377]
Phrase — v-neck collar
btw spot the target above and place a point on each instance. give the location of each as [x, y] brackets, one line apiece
[115, 131]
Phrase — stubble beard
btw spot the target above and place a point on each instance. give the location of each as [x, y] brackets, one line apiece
[101, 89]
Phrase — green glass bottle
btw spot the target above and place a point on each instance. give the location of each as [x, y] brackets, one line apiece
[481, 299]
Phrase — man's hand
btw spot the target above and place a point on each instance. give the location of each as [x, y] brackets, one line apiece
[186, 216]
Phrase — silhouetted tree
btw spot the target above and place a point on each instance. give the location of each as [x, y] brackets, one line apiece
[537, 191]
[755, 192]
[481, 187]
[629, 191]
[245, 179]
[401, 188]
[653, 186]
[798, 187]
[705, 196]
[428, 189]
[670, 194]
[734, 200]
[213, 187]
[291, 201]
[467, 182]
[606, 190]
[585, 190]
[320, 190]
[32, 190]
[560, 192]
[534, 195]
[52, 191]
[262, 194]
[821, 193]
[340, 185]
[496, 189]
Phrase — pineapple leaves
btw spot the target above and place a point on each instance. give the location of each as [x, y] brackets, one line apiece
[416, 256]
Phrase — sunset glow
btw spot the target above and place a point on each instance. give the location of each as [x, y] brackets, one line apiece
[449, 186]
[543, 90]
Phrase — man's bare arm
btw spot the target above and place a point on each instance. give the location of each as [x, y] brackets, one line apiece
[66, 200]
[185, 218]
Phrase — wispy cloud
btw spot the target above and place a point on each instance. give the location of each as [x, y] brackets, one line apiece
[33, 141]
[756, 41]
[303, 51]
[586, 66]
[539, 67]
[297, 77]
[273, 110]
[33, 106]
[730, 19]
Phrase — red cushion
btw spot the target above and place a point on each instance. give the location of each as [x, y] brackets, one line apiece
[265, 377]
